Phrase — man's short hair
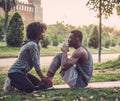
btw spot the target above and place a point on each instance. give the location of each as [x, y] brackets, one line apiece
[78, 34]
[34, 29]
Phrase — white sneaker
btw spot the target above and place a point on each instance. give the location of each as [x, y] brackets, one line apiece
[7, 86]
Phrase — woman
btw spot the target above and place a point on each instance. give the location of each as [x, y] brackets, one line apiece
[29, 58]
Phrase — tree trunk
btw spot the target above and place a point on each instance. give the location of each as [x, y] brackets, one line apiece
[5, 25]
[100, 31]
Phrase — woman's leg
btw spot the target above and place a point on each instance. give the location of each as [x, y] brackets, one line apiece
[38, 85]
[35, 81]
[21, 82]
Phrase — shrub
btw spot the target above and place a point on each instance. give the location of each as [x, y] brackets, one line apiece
[55, 41]
[93, 41]
[15, 31]
[107, 44]
[45, 43]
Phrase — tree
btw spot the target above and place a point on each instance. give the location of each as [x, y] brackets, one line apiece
[86, 31]
[93, 41]
[15, 31]
[7, 5]
[118, 10]
[60, 30]
[104, 7]
[107, 6]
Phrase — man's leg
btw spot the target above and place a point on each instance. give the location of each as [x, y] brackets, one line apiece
[54, 66]
[70, 76]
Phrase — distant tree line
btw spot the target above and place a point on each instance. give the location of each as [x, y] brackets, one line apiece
[12, 28]
[58, 33]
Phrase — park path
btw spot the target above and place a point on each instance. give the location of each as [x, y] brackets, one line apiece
[109, 84]
[45, 61]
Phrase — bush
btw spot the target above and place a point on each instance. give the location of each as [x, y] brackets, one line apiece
[107, 44]
[55, 42]
[45, 43]
[93, 41]
[113, 43]
[15, 31]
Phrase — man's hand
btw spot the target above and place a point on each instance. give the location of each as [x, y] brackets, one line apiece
[65, 48]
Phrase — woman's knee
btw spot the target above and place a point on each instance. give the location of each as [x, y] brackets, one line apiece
[28, 89]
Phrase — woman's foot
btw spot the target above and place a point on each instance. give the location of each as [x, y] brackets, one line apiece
[7, 86]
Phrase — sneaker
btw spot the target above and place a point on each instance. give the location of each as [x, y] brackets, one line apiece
[47, 86]
[7, 86]
[43, 86]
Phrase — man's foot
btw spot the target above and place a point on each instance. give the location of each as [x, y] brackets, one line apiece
[50, 75]
[47, 85]
[43, 86]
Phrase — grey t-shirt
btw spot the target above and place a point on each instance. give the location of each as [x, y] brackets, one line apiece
[28, 58]
[85, 71]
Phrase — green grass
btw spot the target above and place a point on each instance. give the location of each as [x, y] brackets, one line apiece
[113, 64]
[107, 71]
[9, 51]
[88, 94]
[6, 51]
[103, 94]
[106, 50]
[103, 77]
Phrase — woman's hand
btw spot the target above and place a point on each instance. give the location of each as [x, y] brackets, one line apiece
[46, 80]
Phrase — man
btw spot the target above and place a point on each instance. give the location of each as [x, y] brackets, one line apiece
[76, 70]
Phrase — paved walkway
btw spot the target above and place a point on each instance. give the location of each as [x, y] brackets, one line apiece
[45, 61]
[110, 84]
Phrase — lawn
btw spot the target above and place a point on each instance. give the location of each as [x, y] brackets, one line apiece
[6, 51]
[88, 94]
[108, 71]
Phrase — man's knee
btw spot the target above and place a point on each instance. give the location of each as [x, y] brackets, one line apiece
[56, 62]
[57, 59]
[58, 56]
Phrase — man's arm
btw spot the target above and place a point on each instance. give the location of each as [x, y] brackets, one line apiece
[68, 62]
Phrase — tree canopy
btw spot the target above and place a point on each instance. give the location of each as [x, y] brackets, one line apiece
[7, 5]
[107, 6]
[15, 31]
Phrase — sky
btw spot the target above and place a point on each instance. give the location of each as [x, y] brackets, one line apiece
[73, 12]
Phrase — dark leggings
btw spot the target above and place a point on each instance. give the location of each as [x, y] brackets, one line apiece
[26, 83]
